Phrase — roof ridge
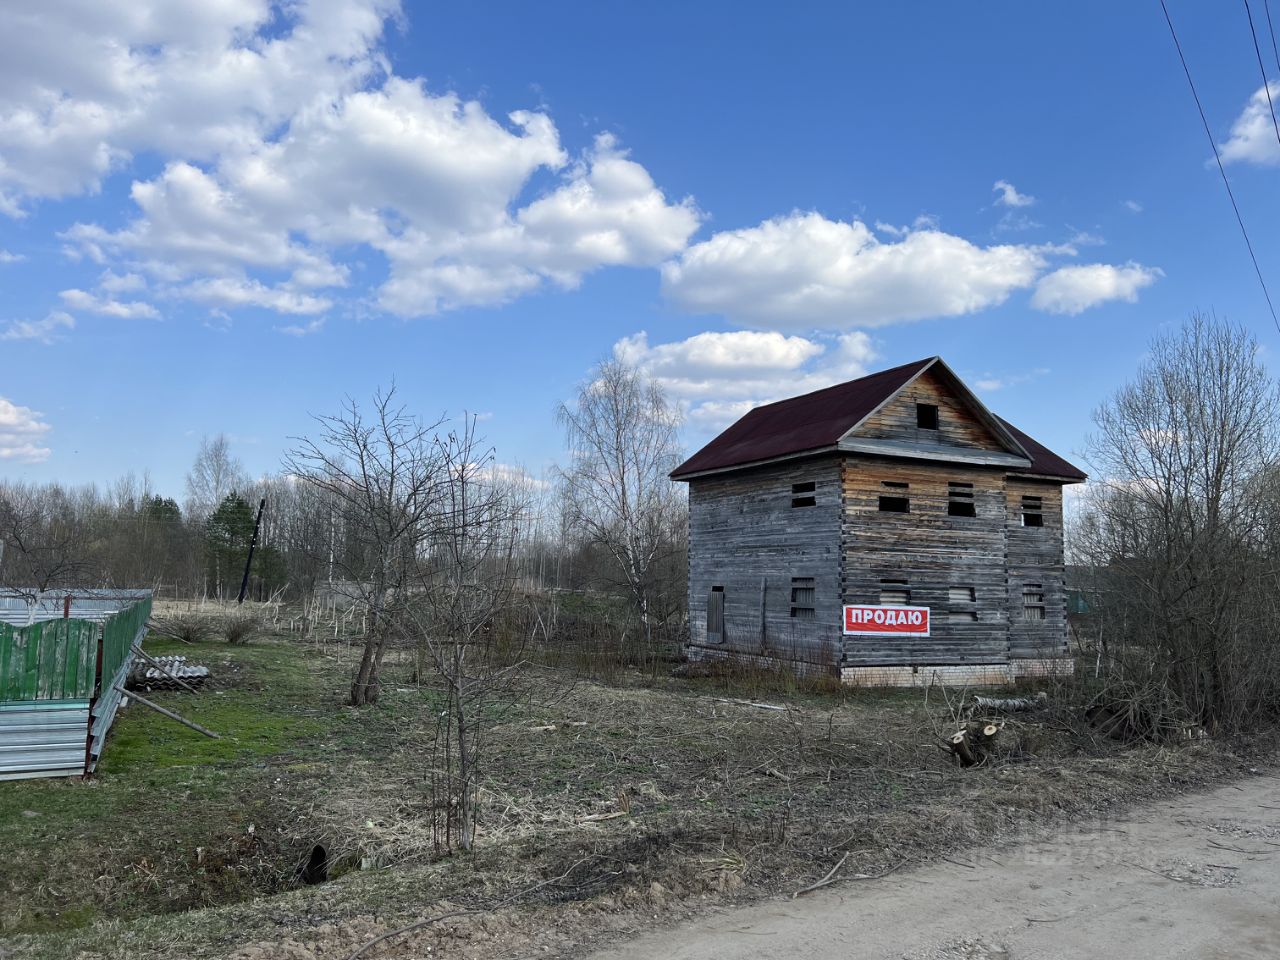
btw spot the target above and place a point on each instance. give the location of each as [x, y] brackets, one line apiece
[845, 383]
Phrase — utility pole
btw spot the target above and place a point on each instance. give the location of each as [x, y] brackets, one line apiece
[253, 542]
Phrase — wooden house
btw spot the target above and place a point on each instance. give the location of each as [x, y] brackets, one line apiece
[829, 533]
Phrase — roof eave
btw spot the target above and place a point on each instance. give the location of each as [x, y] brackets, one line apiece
[682, 477]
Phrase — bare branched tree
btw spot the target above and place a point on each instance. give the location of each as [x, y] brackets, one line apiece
[45, 537]
[464, 586]
[1175, 533]
[385, 470]
[622, 435]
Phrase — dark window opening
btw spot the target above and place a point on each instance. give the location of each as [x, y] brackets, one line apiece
[927, 416]
[894, 593]
[1032, 512]
[803, 597]
[1032, 601]
[962, 600]
[798, 494]
[895, 500]
[715, 615]
[960, 500]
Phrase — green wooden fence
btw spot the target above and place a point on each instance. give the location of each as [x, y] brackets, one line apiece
[53, 660]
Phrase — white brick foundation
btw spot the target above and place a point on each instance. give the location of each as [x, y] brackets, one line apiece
[973, 675]
[1051, 667]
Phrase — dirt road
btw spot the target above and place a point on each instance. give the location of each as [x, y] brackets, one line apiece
[1196, 877]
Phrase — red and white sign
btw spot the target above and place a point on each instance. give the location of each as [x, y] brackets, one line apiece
[868, 621]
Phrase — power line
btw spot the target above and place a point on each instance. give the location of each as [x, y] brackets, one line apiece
[1266, 84]
[1221, 169]
[1266, 5]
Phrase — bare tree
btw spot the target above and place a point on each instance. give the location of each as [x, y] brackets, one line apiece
[1175, 531]
[215, 473]
[385, 472]
[622, 434]
[45, 537]
[465, 584]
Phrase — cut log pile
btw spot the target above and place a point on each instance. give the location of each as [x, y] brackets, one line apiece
[1008, 704]
[974, 743]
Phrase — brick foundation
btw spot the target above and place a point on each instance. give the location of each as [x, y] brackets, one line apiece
[973, 675]
[1050, 667]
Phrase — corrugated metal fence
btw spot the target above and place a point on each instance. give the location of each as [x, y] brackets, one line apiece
[61, 659]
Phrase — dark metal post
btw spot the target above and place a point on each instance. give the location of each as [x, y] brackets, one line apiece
[253, 542]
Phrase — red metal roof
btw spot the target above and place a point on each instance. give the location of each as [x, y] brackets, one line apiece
[816, 421]
[1043, 460]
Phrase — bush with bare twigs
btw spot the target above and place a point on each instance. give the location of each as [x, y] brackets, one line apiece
[189, 626]
[239, 627]
[1179, 541]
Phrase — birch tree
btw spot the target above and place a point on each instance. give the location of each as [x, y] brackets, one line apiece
[622, 435]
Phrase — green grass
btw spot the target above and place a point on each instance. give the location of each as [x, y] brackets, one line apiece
[165, 822]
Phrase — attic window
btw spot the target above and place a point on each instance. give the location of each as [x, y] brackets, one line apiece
[803, 593]
[802, 494]
[894, 593]
[927, 416]
[1032, 512]
[894, 497]
[960, 500]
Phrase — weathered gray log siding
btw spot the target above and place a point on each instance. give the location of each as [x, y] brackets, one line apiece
[1036, 556]
[743, 529]
[978, 575]
[957, 426]
[934, 552]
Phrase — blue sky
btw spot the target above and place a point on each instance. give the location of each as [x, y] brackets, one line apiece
[225, 218]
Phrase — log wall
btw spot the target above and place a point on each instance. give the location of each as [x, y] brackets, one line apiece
[746, 538]
[1035, 557]
[941, 558]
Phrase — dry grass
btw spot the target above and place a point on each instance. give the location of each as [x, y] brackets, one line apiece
[663, 792]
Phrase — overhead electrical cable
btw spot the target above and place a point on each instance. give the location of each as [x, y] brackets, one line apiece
[1221, 169]
[1266, 5]
[1266, 84]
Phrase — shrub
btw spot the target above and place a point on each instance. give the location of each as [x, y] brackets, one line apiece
[239, 628]
[189, 626]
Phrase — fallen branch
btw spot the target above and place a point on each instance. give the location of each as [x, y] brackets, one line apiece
[828, 880]
[748, 703]
[418, 925]
[168, 713]
[830, 873]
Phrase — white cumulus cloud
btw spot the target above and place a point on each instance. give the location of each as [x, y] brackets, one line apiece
[125, 310]
[1071, 290]
[1253, 135]
[49, 330]
[290, 149]
[1009, 195]
[719, 376]
[21, 433]
[804, 271]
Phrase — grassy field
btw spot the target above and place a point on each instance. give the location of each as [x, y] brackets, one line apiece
[640, 796]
